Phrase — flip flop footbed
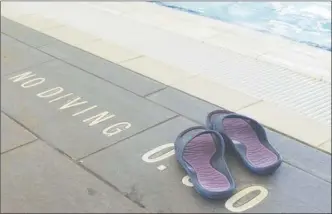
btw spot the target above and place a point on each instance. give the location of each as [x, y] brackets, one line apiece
[201, 153]
[240, 132]
[248, 138]
[198, 153]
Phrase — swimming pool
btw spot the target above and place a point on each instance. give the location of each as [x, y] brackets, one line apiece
[305, 22]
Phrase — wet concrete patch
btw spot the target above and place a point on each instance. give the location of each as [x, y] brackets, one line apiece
[75, 111]
[37, 179]
[159, 183]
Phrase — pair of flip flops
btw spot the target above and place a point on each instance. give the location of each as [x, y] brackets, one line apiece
[201, 152]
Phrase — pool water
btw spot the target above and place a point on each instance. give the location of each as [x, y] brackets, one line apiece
[305, 22]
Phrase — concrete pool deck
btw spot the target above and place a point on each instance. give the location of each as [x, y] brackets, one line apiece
[284, 85]
[82, 134]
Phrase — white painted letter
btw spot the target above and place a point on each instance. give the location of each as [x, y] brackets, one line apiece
[186, 181]
[146, 156]
[85, 110]
[72, 103]
[125, 125]
[51, 92]
[99, 118]
[26, 85]
[58, 98]
[22, 76]
[253, 202]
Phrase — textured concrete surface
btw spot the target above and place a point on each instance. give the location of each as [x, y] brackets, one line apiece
[289, 190]
[58, 155]
[102, 68]
[117, 113]
[292, 151]
[245, 81]
[36, 179]
[16, 56]
[13, 134]
[26, 35]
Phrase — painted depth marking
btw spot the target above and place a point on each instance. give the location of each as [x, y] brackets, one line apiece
[161, 167]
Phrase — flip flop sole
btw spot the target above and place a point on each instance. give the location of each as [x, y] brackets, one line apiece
[203, 161]
[198, 153]
[249, 142]
[256, 153]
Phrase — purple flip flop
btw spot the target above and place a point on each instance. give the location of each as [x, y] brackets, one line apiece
[248, 138]
[201, 153]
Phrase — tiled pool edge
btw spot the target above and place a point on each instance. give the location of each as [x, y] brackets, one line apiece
[214, 31]
[291, 124]
[205, 12]
[292, 55]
